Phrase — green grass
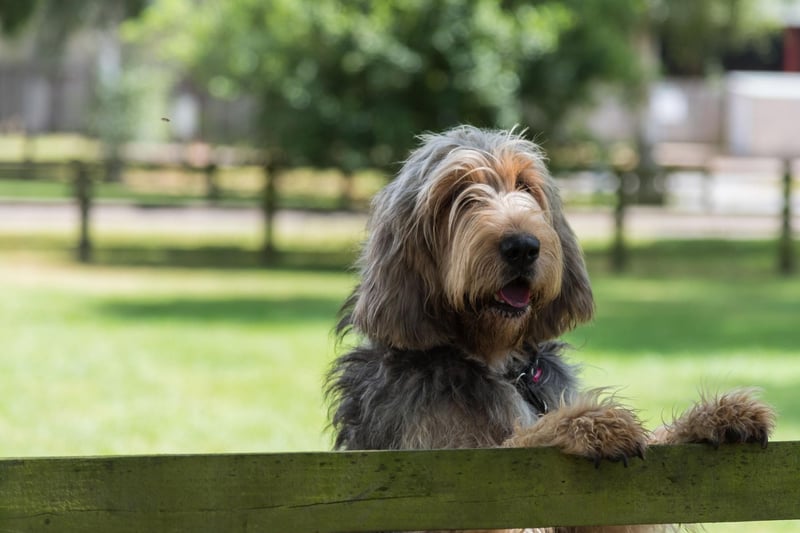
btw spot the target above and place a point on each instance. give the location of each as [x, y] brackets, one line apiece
[662, 341]
[118, 358]
[114, 358]
[109, 361]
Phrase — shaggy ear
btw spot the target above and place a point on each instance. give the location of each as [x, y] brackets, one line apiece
[575, 302]
[392, 305]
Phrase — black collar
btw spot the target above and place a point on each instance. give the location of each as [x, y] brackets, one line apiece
[529, 380]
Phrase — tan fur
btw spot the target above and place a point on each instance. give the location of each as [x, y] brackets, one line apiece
[737, 416]
[593, 426]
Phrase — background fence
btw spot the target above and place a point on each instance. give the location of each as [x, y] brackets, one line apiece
[180, 174]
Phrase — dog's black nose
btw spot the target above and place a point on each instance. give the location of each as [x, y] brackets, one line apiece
[519, 250]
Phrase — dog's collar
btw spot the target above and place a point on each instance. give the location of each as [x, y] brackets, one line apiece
[529, 382]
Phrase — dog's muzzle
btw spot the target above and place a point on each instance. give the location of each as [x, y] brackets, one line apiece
[519, 251]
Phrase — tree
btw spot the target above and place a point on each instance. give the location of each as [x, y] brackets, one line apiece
[597, 46]
[14, 14]
[50, 24]
[348, 84]
[58, 19]
[696, 35]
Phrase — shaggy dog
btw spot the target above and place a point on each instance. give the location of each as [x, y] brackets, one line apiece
[469, 275]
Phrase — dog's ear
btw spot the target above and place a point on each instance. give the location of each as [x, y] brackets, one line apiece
[575, 302]
[393, 303]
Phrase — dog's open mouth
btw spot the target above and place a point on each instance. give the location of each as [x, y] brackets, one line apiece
[513, 299]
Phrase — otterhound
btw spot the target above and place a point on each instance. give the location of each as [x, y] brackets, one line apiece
[469, 275]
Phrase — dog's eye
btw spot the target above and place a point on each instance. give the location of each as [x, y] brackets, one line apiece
[523, 186]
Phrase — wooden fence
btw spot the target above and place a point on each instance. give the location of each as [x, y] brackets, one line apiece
[90, 168]
[397, 490]
[207, 160]
[85, 175]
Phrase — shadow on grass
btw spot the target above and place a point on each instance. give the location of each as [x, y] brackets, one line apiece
[223, 257]
[253, 310]
[693, 257]
[670, 258]
[706, 258]
[693, 297]
[695, 326]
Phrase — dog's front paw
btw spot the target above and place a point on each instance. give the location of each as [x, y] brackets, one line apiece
[737, 416]
[593, 427]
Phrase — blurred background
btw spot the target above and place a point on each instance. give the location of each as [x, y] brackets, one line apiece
[184, 184]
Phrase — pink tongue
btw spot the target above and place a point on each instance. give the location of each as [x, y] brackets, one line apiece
[515, 294]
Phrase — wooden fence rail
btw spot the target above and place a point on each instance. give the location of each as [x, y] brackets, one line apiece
[397, 490]
[84, 173]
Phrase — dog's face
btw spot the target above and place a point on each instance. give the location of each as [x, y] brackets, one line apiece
[468, 247]
[499, 256]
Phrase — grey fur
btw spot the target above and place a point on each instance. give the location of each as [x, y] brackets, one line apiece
[439, 398]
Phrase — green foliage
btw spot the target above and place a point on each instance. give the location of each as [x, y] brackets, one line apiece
[14, 14]
[696, 34]
[56, 20]
[348, 84]
[597, 45]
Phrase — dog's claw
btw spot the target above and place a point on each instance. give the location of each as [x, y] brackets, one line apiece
[733, 437]
[623, 458]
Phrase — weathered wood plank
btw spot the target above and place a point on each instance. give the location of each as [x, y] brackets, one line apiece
[362, 491]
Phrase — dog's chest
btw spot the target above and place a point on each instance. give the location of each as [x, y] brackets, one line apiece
[456, 401]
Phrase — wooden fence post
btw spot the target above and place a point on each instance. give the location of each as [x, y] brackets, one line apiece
[83, 195]
[348, 184]
[212, 187]
[619, 256]
[785, 251]
[268, 208]
[114, 166]
[28, 157]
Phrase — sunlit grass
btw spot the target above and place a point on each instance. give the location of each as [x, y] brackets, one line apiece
[47, 148]
[114, 358]
[103, 361]
[664, 341]
[121, 359]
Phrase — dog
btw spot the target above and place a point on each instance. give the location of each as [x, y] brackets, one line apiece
[469, 275]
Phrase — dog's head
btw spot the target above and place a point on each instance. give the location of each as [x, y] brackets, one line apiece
[468, 247]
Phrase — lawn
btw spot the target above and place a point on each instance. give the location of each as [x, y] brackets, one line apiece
[122, 359]
[119, 359]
